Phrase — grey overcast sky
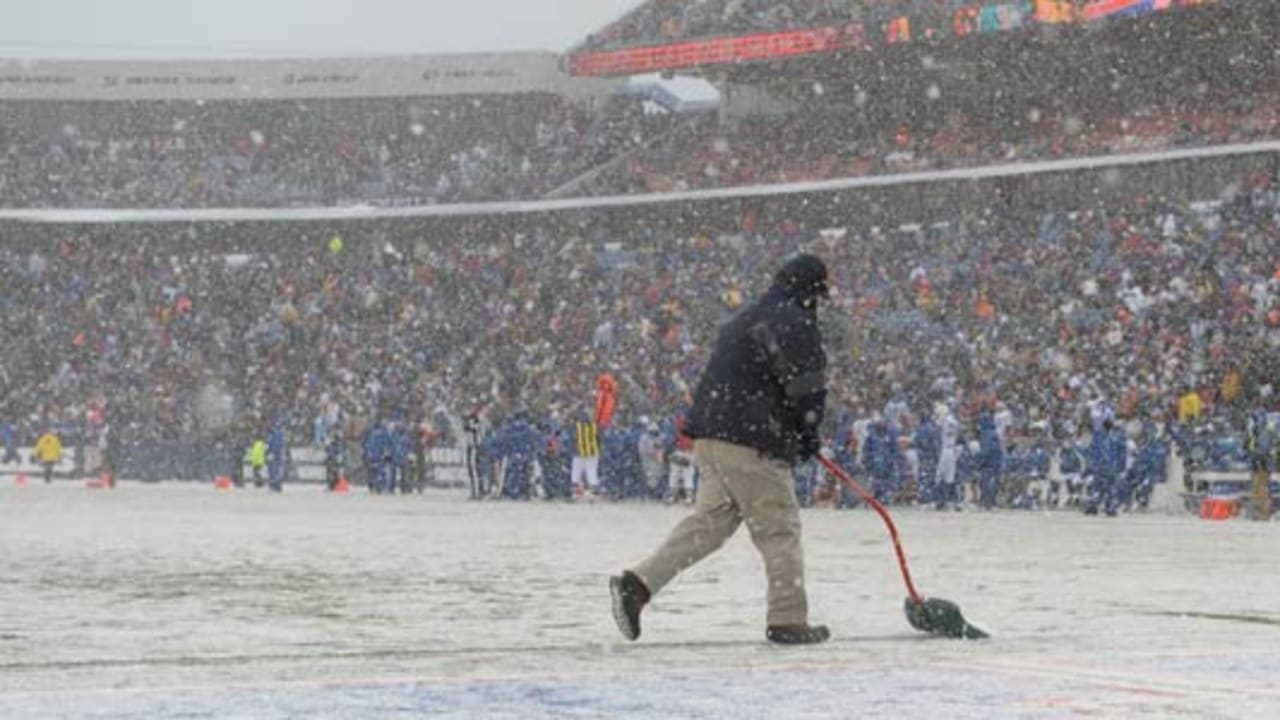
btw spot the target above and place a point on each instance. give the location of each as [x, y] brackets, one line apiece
[289, 28]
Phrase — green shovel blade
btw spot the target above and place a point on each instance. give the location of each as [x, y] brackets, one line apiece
[941, 617]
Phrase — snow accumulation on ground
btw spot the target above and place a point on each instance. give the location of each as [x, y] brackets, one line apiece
[179, 601]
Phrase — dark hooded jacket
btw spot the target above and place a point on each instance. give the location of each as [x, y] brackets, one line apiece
[765, 386]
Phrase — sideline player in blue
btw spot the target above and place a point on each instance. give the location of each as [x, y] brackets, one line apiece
[1070, 467]
[555, 458]
[520, 444]
[401, 448]
[377, 453]
[1151, 464]
[1108, 455]
[878, 460]
[277, 455]
[928, 444]
[991, 460]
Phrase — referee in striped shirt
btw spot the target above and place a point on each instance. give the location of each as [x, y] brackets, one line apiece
[586, 459]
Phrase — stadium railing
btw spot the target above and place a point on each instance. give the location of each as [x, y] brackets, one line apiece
[1024, 171]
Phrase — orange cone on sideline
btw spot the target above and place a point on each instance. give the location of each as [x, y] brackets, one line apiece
[1218, 509]
[21, 480]
[342, 486]
[108, 482]
[222, 483]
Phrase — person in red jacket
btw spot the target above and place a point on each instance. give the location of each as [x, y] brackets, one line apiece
[606, 400]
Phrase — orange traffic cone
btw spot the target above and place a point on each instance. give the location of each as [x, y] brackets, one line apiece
[222, 483]
[21, 480]
[1218, 509]
[108, 482]
[342, 486]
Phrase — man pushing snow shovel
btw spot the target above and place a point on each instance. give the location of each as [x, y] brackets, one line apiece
[755, 414]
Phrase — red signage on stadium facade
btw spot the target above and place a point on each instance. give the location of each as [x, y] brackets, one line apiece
[763, 46]
[970, 19]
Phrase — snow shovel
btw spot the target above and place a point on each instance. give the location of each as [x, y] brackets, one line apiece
[928, 615]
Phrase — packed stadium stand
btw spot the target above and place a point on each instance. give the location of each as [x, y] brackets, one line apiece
[1046, 288]
[103, 136]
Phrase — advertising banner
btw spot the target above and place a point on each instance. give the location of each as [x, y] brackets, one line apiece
[925, 24]
[399, 76]
[718, 51]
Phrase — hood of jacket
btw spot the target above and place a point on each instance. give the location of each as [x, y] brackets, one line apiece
[803, 278]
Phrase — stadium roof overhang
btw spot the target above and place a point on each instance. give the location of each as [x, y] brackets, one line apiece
[295, 79]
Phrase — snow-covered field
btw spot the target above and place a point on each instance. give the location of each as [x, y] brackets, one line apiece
[179, 601]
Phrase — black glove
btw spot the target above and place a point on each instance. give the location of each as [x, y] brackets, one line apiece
[810, 446]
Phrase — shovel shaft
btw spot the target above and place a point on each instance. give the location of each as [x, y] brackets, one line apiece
[870, 499]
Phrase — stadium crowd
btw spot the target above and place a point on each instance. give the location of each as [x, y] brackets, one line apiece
[1043, 323]
[279, 153]
[822, 143]
[477, 149]
[1016, 332]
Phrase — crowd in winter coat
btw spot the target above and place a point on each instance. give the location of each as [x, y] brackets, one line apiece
[1143, 307]
[319, 152]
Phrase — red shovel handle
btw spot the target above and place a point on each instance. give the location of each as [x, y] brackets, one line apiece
[870, 499]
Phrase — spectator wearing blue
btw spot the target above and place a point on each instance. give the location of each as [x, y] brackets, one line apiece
[1070, 470]
[1038, 460]
[846, 450]
[990, 460]
[521, 442]
[401, 449]
[806, 477]
[320, 430]
[377, 452]
[442, 426]
[1117, 464]
[277, 455]
[9, 436]
[927, 441]
[1034, 464]
[877, 460]
[896, 410]
[618, 462]
[1151, 464]
[1108, 455]
[556, 457]
[1096, 468]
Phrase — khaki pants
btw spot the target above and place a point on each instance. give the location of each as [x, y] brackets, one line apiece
[738, 484]
[1262, 494]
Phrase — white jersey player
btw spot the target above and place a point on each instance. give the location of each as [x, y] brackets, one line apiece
[945, 481]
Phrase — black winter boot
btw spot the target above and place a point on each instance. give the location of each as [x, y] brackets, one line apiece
[798, 634]
[629, 598]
